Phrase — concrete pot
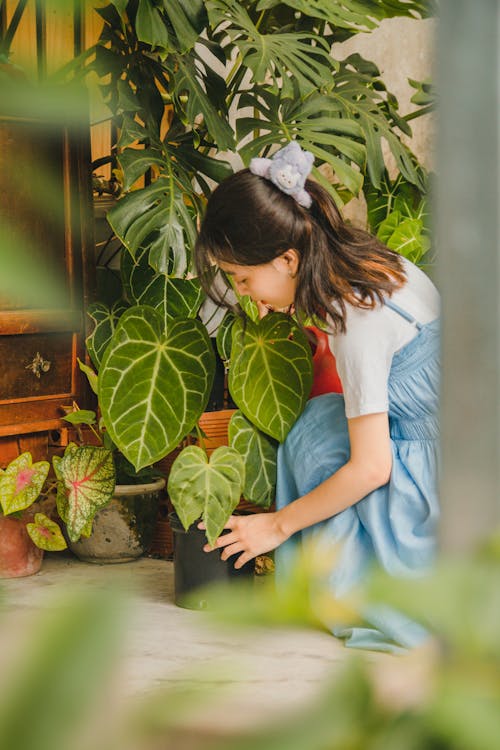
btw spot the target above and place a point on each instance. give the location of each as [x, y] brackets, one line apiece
[123, 530]
[19, 556]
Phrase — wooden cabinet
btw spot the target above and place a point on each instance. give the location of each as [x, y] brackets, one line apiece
[45, 201]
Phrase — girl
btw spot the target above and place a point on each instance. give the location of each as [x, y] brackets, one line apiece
[358, 468]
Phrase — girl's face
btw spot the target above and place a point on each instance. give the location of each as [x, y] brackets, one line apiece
[272, 284]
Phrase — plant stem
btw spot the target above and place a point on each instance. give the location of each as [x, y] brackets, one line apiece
[201, 439]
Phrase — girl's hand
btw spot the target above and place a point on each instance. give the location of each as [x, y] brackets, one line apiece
[251, 535]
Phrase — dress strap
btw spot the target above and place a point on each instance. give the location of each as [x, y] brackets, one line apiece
[392, 305]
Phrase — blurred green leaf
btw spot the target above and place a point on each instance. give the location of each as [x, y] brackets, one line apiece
[51, 693]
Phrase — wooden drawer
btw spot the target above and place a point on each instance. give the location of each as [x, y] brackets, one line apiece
[35, 365]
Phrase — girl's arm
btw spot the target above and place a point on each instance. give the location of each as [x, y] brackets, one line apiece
[368, 467]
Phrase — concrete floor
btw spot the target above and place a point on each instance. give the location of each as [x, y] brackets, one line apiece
[260, 676]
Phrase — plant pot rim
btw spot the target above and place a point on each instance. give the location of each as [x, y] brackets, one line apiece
[138, 489]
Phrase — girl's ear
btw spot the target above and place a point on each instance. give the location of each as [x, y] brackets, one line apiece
[292, 260]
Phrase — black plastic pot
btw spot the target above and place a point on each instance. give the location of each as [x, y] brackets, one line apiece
[195, 569]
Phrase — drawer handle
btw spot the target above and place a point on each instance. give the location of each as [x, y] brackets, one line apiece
[38, 365]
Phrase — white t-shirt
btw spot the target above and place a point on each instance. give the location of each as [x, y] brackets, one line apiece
[364, 352]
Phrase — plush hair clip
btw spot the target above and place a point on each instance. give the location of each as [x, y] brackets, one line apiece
[288, 169]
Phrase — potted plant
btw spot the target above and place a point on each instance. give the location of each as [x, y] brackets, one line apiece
[85, 479]
[122, 528]
[209, 488]
[154, 374]
[174, 112]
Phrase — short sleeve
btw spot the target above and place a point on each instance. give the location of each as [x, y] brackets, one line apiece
[364, 355]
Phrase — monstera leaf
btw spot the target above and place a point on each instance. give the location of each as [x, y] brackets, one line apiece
[86, 477]
[259, 454]
[361, 94]
[355, 15]
[46, 534]
[206, 489]
[154, 385]
[317, 122]
[21, 483]
[158, 218]
[278, 57]
[199, 103]
[270, 377]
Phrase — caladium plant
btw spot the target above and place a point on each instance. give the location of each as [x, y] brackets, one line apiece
[21, 485]
[85, 482]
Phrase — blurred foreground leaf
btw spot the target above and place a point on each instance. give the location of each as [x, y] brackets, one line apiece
[52, 693]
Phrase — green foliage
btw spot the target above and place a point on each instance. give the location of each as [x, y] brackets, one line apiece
[172, 105]
[204, 488]
[277, 353]
[185, 82]
[87, 478]
[46, 534]
[398, 214]
[259, 453]
[21, 483]
[104, 321]
[56, 688]
[154, 385]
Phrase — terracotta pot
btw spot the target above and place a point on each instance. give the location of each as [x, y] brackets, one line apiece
[18, 555]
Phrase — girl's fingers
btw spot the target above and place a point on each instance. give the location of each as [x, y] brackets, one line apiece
[233, 549]
[242, 559]
[222, 541]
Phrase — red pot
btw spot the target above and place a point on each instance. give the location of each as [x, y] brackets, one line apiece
[18, 555]
[326, 378]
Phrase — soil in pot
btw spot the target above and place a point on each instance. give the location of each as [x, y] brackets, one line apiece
[123, 530]
[19, 556]
[195, 569]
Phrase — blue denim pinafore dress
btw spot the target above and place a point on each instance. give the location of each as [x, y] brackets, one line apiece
[395, 525]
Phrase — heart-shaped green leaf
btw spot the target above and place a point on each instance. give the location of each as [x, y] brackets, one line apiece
[405, 236]
[259, 453]
[87, 482]
[224, 336]
[153, 386]
[105, 321]
[206, 489]
[46, 534]
[21, 483]
[172, 297]
[271, 372]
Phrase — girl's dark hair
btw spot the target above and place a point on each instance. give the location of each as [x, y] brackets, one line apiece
[249, 221]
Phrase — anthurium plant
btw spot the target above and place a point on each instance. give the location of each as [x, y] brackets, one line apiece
[85, 481]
